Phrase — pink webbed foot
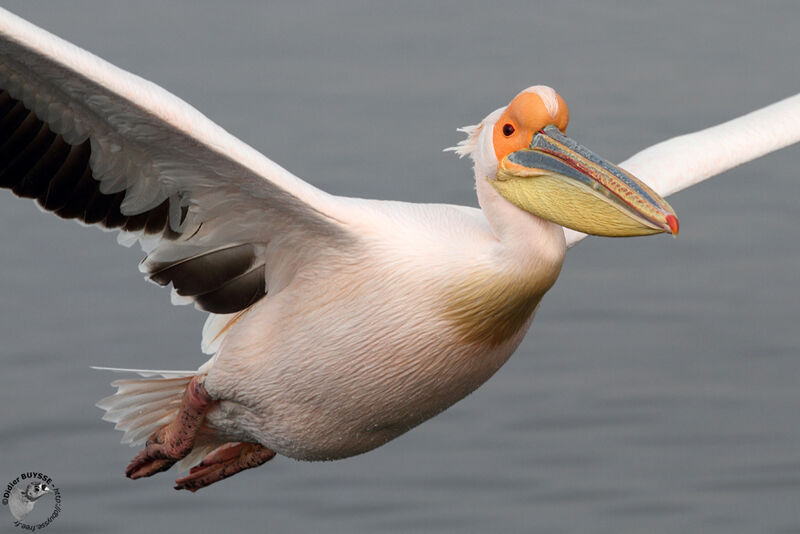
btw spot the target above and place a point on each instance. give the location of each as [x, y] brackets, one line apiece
[224, 462]
[173, 441]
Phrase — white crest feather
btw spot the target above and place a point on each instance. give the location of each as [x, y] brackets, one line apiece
[466, 147]
[548, 96]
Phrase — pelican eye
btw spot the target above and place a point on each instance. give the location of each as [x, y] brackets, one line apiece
[508, 129]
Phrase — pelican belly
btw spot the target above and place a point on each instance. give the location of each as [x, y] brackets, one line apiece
[348, 366]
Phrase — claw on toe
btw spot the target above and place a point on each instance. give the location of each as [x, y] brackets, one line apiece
[145, 467]
[224, 462]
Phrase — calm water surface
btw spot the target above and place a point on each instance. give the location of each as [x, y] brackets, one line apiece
[658, 389]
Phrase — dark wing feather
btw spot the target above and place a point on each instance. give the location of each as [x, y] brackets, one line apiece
[91, 142]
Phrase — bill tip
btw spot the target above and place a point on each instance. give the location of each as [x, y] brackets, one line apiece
[672, 221]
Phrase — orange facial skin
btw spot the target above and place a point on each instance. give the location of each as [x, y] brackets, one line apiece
[563, 182]
[524, 116]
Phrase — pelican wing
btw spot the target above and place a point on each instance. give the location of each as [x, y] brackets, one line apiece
[97, 144]
[681, 162]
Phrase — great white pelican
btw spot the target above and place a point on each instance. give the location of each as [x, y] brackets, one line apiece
[335, 324]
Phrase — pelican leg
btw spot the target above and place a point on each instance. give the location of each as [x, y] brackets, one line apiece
[224, 462]
[173, 441]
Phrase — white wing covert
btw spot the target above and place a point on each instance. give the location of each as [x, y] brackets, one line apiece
[91, 142]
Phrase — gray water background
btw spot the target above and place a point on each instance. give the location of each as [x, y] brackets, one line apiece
[658, 388]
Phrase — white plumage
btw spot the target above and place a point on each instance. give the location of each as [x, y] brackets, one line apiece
[378, 314]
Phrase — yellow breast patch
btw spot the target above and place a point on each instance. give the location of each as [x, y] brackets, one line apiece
[491, 307]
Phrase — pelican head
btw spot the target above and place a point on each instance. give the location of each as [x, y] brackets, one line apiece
[529, 161]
